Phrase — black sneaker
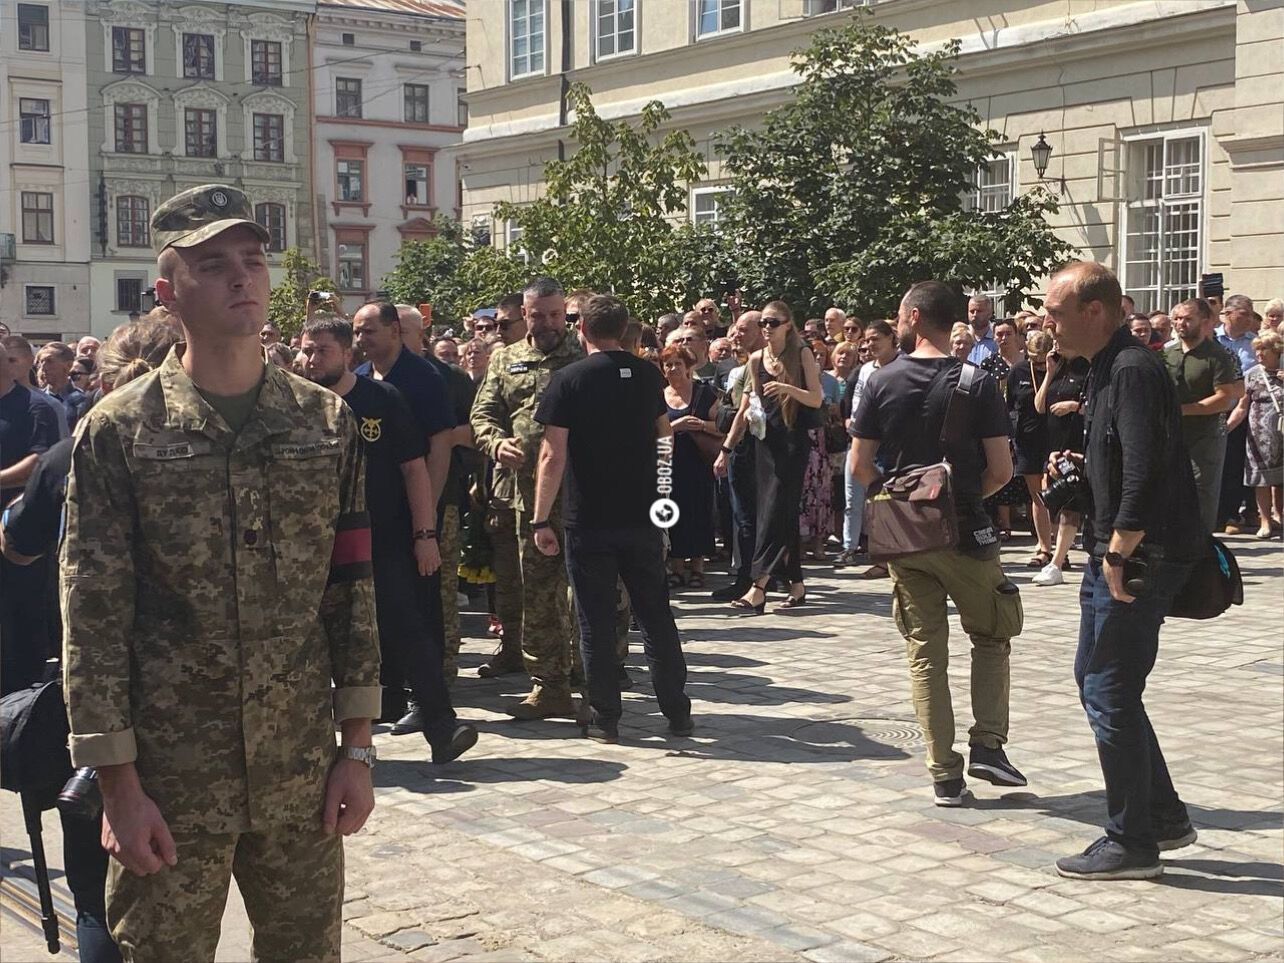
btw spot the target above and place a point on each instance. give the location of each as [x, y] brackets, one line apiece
[681, 727]
[992, 765]
[412, 721]
[1107, 859]
[1174, 835]
[846, 558]
[460, 741]
[952, 792]
[608, 733]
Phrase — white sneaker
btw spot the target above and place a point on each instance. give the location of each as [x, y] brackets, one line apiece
[1050, 574]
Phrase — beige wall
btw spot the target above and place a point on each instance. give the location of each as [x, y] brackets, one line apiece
[1089, 76]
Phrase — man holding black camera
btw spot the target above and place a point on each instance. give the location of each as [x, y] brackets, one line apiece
[1140, 531]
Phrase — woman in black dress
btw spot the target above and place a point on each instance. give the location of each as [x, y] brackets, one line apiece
[1060, 395]
[1011, 351]
[1030, 432]
[690, 405]
[779, 410]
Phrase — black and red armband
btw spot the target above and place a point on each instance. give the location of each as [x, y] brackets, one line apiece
[350, 559]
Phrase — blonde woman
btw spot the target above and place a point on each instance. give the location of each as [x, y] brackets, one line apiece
[961, 341]
[785, 379]
[1262, 405]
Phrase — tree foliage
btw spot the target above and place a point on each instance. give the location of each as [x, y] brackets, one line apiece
[288, 302]
[854, 189]
[606, 220]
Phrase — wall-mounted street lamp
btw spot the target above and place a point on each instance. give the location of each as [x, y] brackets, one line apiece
[1041, 153]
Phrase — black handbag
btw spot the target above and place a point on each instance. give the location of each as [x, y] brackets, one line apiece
[1214, 585]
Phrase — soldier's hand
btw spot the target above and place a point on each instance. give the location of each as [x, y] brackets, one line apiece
[510, 453]
[427, 555]
[349, 797]
[134, 831]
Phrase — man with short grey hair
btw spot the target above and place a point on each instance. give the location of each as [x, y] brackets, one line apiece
[979, 313]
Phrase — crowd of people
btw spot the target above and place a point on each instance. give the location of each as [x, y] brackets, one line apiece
[513, 460]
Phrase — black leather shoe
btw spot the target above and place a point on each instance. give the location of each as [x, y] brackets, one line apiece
[732, 591]
[412, 721]
[392, 705]
[461, 740]
[681, 727]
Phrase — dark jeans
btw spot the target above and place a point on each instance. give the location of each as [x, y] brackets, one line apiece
[595, 557]
[85, 862]
[1118, 643]
[412, 637]
[742, 488]
[1235, 494]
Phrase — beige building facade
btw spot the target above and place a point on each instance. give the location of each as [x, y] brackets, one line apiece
[1166, 117]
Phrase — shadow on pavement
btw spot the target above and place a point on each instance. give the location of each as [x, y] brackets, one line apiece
[1241, 879]
[462, 775]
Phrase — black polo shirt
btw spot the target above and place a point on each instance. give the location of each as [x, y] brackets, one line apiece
[391, 438]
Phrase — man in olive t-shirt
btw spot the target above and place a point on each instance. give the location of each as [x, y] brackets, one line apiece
[1209, 384]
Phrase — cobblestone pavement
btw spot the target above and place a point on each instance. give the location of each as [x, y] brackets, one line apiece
[798, 824]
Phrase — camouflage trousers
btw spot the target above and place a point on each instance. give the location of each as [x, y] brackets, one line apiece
[448, 541]
[291, 880]
[501, 525]
[546, 618]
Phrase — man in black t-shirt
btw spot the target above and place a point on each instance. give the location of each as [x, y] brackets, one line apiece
[602, 417]
[899, 421]
[403, 535]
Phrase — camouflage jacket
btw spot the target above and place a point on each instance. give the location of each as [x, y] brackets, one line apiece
[505, 405]
[203, 624]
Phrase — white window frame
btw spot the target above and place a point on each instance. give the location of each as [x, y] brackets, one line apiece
[596, 16]
[721, 31]
[1131, 207]
[542, 70]
[972, 201]
[513, 236]
[48, 118]
[697, 192]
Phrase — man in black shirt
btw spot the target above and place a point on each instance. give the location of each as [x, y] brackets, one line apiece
[898, 422]
[602, 417]
[403, 534]
[1142, 502]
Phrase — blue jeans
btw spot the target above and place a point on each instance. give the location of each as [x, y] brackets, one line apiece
[854, 516]
[1118, 643]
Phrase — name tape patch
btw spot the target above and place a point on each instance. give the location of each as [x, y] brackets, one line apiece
[519, 367]
[164, 452]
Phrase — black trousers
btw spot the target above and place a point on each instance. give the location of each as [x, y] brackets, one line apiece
[85, 863]
[412, 636]
[594, 559]
[743, 488]
[1234, 491]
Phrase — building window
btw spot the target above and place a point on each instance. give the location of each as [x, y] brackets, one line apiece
[416, 46]
[33, 34]
[265, 63]
[128, 50]
[813, 8]
[37, 218]
[349, 174]
[198, 56]
[132, 214]
[352, 265]
[417, 184]
[272, 218]
[1164, 220]
[463, 107]
[131, 128]
[269, 137]
[34, 120]
[706, 205]
[994, 186]
[525, 37]
[129, 294]
[200, 131]
[615, 27]
[513, 241]
[717, 16]
[416, 98]
[347, 97]
[39, 299]
[349, 39]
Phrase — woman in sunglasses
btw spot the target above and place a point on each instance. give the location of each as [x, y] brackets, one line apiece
[781, 407]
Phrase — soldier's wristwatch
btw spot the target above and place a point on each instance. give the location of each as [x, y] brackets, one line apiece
[364, 754]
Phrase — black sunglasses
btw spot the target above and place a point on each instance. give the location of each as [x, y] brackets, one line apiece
[771, 322]
[572, 317]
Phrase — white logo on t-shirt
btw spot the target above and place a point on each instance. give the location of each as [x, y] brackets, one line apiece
[626, 372]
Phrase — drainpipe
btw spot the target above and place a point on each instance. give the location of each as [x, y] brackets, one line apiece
[568, 11]
[309, 177]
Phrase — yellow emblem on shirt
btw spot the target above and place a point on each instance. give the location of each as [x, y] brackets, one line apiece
[371, 429]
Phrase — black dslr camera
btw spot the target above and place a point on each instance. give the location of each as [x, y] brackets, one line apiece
[1066, 490]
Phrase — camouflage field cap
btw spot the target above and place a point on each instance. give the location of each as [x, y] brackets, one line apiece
[200, 213]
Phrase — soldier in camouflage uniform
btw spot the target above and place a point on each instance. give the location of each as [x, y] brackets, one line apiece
[506, 431]
[204, 626]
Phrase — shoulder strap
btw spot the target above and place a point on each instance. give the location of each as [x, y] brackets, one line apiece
[957, 408]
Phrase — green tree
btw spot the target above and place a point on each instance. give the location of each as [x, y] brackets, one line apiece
[288, 302]
[854, 189]
[606, 220]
